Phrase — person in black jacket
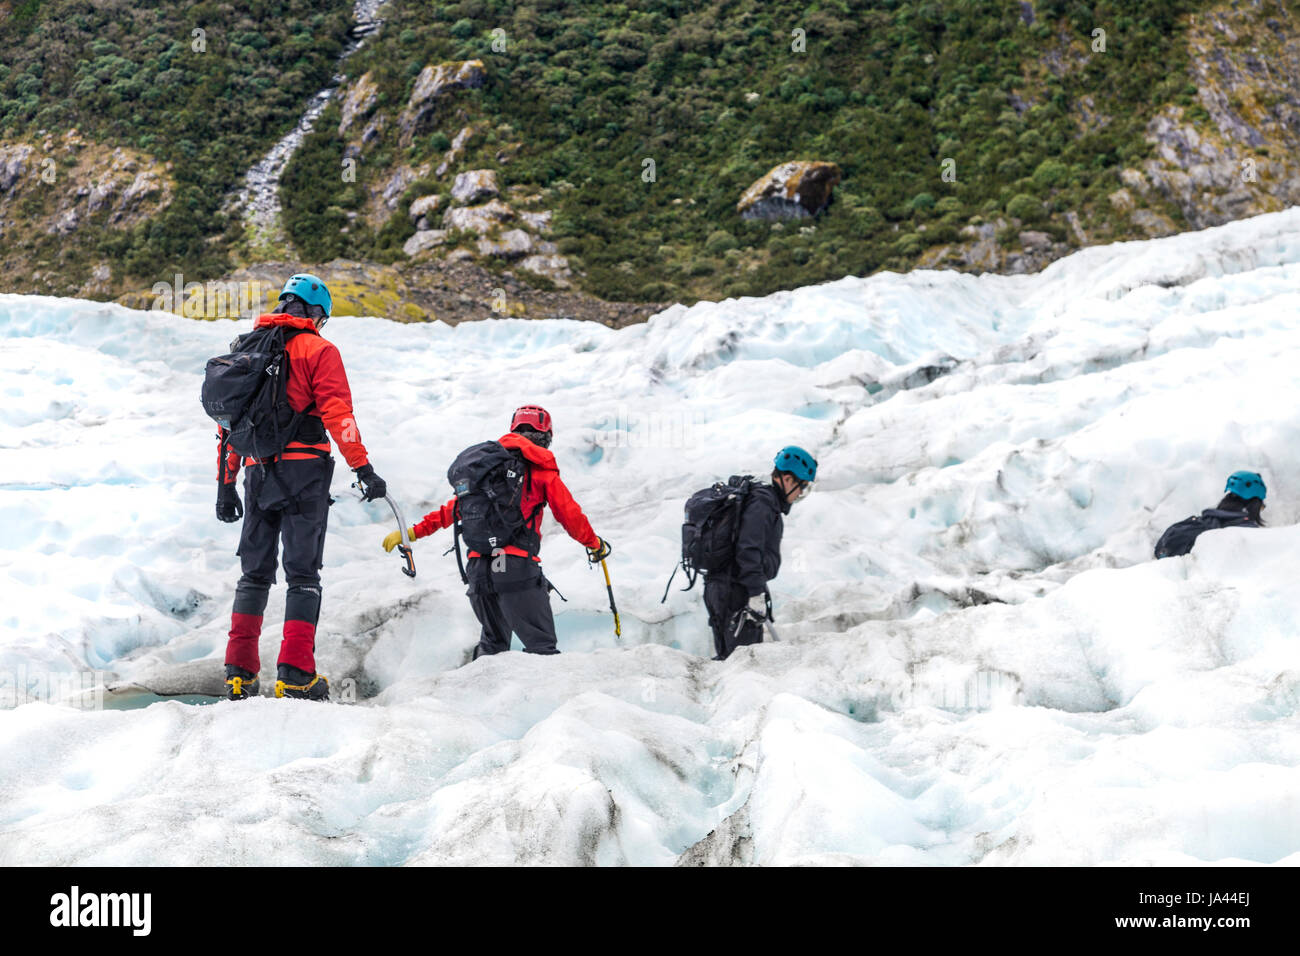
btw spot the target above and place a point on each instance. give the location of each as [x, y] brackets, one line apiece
[1240, 508]
[737, 598]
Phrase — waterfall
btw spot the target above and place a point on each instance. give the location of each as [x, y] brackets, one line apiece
[259, 197]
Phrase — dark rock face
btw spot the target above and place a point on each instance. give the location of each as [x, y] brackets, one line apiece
[794, 190]
[432, 83]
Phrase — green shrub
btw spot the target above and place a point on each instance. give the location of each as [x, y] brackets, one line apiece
[1025, 207]
[719, 241]
[910, 245]
[658, 292]
[1051, 173]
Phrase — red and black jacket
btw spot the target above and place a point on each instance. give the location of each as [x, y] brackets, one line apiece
[542, 487]
[316, 382]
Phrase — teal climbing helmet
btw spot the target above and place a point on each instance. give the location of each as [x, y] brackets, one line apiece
[798, 462]
[310, 289]
[1246, 485]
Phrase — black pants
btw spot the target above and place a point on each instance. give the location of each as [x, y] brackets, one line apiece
[290, 505]
[724, 599]
[509, 593]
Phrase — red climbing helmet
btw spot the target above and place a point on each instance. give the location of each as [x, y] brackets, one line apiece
[534, 416]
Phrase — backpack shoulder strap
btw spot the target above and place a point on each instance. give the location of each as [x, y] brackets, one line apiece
[289, 334]
[528, 482]
[455, 538]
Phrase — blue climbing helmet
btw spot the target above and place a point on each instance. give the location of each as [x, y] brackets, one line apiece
[310, 289]
[798, 462]
[1246, 485]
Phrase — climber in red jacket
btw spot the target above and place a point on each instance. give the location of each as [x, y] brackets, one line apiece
[288, 498]
[507, 589]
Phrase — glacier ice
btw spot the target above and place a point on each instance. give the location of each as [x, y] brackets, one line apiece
[979, 661]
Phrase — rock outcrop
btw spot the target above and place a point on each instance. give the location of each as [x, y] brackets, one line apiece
[794, 190]
[423, 241]
[453, 154]
[100, 282]
[146, 184]
[556, 268]
[373, 129]
[13, 165]
[433, 82]
[87, 179]
[360, 100]
[511, 245]
[474, 186]
[390, 195]
[478, 219]
[980, 251]
[539, 222]
[422, 208]
[67, 222]
[1245, 65]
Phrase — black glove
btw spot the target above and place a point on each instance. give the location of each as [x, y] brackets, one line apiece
[754, 612]
[600, 553]
[372, 486]
[229, 507]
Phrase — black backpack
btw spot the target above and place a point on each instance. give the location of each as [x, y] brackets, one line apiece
[1180, 536]
[488, 479]
[245, 392]
[711, 527]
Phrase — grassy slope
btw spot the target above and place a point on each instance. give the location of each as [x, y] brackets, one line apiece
[127, 73]
[886, 90]
[588, 90]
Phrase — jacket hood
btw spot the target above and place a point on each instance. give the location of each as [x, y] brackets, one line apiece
[287, 321]
[536, 454]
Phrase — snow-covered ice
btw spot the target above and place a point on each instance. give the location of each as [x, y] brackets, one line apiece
[979, 661]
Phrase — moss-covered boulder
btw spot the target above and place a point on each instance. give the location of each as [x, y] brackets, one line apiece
[793, 190]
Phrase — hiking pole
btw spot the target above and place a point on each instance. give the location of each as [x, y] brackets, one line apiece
[618, 628]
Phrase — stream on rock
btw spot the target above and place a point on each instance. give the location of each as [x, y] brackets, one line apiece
[260, 195]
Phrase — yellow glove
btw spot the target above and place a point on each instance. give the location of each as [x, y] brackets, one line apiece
[395, 538]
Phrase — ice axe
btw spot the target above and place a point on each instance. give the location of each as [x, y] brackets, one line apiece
[405, 547]
[741, 620]
[743, 617]
[618, 628]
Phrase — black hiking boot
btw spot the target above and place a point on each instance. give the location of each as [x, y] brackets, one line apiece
[240, 684]
[291, 682]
